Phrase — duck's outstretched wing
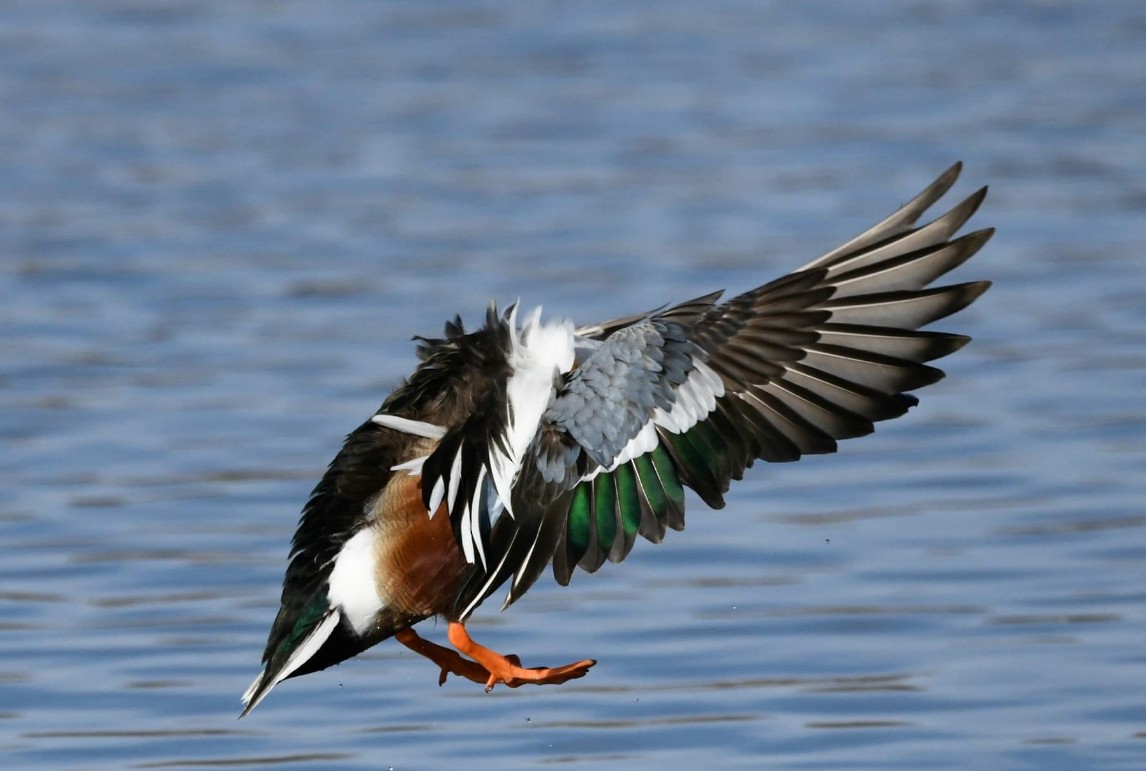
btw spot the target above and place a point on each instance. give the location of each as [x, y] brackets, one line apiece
[692, 395]
[813, 357]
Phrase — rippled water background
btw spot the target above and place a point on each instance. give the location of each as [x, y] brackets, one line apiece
[221, 222]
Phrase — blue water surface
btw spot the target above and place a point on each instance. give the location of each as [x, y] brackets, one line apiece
[220, 224]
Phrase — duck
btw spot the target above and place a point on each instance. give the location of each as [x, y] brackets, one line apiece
[531, 444]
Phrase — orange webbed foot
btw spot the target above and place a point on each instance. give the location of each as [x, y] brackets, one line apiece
[487, 667]
[507, 669]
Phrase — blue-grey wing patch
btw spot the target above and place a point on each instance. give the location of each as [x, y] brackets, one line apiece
[610, 398]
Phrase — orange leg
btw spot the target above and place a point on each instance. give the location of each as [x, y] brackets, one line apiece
[507, 669]
[449, 661]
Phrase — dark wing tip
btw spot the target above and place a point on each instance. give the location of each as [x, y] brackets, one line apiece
[948, 177]
[965, 294]
[901, 219]
[946, 344]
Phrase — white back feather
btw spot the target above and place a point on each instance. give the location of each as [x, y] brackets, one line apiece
[540, 352]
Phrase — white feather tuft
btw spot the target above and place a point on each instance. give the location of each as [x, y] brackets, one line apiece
[539, 353]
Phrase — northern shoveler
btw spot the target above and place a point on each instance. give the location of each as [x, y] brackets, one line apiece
[528, 443]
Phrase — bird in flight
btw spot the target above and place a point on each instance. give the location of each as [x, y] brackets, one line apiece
[527, 443]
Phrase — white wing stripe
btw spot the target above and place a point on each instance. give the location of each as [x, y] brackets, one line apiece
[695, 398]
[467, 542]
[436, 495]
[413, 467]
[455, 481]
[645, 441]
[475, 519]
[407, 426]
